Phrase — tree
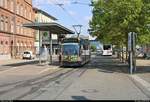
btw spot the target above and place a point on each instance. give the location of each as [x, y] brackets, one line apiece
[93, 48]
[113, 19]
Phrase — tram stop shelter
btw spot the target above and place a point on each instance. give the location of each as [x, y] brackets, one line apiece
[53, 28]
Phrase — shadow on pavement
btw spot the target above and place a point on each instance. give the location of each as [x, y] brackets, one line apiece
[108, 64]
[32, 62]
[143, 69]
[114, 68]
[79, 98]
[22, 63]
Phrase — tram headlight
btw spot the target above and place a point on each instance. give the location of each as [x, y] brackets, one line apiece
[79, 58]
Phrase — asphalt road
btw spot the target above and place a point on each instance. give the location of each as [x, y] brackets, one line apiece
[104, 78]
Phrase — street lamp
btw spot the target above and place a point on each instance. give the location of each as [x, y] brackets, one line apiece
[77, 29]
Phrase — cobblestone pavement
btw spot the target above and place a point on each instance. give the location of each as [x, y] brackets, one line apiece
[104, 78]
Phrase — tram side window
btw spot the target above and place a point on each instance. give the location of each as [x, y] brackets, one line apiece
[85, 47]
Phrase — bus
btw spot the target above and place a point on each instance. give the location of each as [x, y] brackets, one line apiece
[107, 50]
[75, 52]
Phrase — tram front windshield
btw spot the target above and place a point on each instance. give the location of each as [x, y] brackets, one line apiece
[70, 49]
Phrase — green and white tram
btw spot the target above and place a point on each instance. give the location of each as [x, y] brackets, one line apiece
[75, 52]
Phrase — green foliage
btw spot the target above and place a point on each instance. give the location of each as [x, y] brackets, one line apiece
[93, 48]
[113, 19]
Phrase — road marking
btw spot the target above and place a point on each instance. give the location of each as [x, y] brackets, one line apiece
[13, 68]
[141, 81]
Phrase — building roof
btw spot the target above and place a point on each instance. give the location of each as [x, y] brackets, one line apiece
[45, 13]
[92, 38]
[80, 36]
[53, 27]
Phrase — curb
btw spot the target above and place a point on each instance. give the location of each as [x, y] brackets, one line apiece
[143, 85]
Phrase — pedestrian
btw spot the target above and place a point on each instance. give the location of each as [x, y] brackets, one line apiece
[44, 54]
[60, 56]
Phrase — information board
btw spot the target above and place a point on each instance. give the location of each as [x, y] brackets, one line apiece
[130, 41]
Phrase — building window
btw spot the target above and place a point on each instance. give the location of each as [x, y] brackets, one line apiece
[36, 20]
[2, 23]
[12, 6]
[1, 42]
[8, 4]
[5, 1]
[6, 42]
[21, 29]
[1, 3]
[17, 8]
[17, 26]
[21, 10]
[30, 15]
[25, 13]
[6, 24]
[12, 26]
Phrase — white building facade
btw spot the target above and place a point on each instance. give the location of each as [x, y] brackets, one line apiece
[43, 17]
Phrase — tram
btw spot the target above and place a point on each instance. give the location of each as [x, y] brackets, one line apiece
[75, 52]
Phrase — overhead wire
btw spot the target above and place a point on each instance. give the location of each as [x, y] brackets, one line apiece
[66, 11]
[82, 3]
[61, 6]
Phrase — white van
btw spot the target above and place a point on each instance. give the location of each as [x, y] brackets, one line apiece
[28, 55]
[107, 50]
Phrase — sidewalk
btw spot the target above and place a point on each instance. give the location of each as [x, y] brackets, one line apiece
[143, 69]
[16, 61]
[142, 75]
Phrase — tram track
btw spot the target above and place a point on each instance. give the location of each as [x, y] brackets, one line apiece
[37, 78]
[36, 83]
[42, 83]
[53, 84]
[25, 82]
[81, 72]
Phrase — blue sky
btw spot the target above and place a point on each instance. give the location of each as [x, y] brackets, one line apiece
[74, 14]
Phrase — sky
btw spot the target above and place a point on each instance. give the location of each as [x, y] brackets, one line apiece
[72, 14]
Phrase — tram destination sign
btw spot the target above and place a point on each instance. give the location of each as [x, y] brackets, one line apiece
[71, 40]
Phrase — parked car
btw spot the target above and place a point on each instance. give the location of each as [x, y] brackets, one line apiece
[28, 55]
[99, 52]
